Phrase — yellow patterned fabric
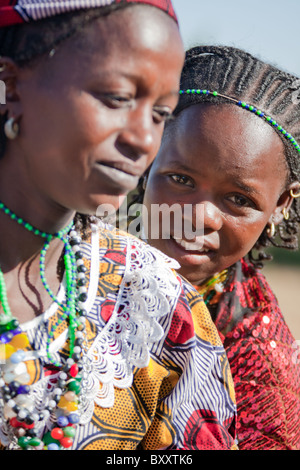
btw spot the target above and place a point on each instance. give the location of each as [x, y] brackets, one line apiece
[151, 379]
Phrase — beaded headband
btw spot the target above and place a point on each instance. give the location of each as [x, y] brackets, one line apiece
[248, 107]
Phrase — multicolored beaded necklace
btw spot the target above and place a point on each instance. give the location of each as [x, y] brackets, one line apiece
[212, 289]
[19, 411]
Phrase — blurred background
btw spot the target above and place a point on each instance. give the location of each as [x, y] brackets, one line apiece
[268, 29]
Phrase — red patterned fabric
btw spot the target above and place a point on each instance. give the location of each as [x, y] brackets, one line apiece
[203, 431]
[264, 359]
[20, 11]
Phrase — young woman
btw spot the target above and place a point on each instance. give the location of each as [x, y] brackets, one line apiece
[98, 348]
[232, 151]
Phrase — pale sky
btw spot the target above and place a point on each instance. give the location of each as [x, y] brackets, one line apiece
[268, 29]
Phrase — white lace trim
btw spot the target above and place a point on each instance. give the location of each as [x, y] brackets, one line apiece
[148, 292]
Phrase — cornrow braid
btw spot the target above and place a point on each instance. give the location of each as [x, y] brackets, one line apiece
[237, 74]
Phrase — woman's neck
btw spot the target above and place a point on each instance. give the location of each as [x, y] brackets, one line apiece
[28, 200]
[20, 249]
[19, 244]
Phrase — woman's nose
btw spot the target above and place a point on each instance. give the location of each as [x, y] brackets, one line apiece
[201, 218]
[212, 217]
[138, 137]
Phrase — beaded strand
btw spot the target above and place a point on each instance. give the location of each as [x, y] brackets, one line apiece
[69, 309]
[212, 289]
[30, 227]
[18, 407]
[248, 107]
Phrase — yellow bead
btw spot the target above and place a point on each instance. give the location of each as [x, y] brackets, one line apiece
[63, 403]
[6, 350]
[72, 406]
[67, 405]
[20, 341]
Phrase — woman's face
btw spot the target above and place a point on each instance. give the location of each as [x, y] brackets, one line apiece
[229, 165]
[92, 116]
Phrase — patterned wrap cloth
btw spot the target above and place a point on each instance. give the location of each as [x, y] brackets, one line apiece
[155, 373]
[264, 359]
[21, 11]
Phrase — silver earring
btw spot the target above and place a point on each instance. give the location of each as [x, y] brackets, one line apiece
[144, 184]
[2, 67]
[11, 129]
[271, 230]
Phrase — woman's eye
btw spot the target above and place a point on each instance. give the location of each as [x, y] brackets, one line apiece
[241, 201]
[121, 100]
[182, 180]
[117, 101]
[162, 115]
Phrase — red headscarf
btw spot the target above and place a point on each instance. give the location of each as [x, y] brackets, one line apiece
[20, 11]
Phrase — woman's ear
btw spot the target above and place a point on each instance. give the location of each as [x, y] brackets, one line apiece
[9, 71]
[284, 203]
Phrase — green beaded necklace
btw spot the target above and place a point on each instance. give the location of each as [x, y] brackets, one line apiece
[69, 308]
[9, 330]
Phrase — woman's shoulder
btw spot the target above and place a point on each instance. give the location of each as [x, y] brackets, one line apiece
[258, 295]
[250, 309]
[248, 303]
[264, 360]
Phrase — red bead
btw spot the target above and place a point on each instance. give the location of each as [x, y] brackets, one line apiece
[66, 442]
[27, 426]
[74, 370]
[15, 423]
[20, 424]
[57, 433]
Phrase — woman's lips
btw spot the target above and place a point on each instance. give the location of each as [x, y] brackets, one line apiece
[122, 178]
[192, 245]
[195, 252]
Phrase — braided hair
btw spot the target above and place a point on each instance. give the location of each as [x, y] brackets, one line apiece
[238, 74]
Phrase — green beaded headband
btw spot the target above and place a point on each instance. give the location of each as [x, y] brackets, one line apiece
[249, 107]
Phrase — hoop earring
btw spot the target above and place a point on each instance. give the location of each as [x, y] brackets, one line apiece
[294, 196]
[11, 129]
[271, 230]
[144, 184]
[286, 214]
[2, 66]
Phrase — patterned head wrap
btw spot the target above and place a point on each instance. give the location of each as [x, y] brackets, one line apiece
[23, 11]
